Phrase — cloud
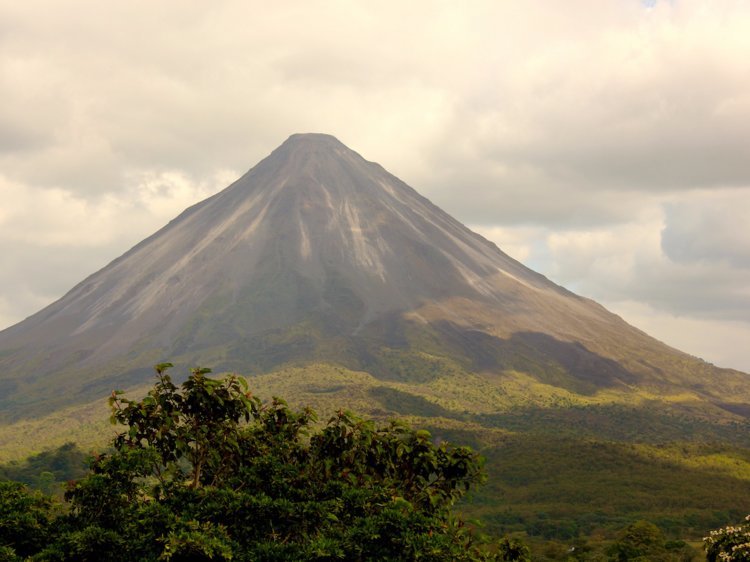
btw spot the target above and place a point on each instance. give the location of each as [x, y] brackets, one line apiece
[603, 143]
[634, 103]
[51, 240]
[677, 270]
[685, 258]
[709, 229]
[724, 342]
[623, 98]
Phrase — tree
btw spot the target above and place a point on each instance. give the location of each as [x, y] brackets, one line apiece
[207, 471]
[25, 520]
[513, 549]
[730, 543]
[643, 541]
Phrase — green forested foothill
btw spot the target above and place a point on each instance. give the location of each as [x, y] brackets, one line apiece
[206, 471]
[562, 488]
[565, 493]
[48, 470]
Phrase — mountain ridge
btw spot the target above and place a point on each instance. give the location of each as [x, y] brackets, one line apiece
[316, 254]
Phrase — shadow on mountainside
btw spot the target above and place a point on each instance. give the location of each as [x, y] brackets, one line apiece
[390, 350]
[568, 365]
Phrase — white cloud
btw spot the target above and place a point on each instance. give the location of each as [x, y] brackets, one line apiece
[603, 143]
[720, 342]
[55, 218]
[516, 242]
[52, 239]
[709, 228]
[677, 270]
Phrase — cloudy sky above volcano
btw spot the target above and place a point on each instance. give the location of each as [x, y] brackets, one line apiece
[604, 143]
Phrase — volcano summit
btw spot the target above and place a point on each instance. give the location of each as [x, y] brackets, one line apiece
[317, 255]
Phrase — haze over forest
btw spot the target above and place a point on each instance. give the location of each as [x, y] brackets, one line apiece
[603, 144]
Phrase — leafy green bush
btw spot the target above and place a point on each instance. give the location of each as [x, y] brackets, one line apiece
[731, 543]
[206, 471]
[25, 520]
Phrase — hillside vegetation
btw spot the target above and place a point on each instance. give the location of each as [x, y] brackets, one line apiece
[207, 471]
[559, 472]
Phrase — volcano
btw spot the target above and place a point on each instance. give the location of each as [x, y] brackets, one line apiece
[318, 256]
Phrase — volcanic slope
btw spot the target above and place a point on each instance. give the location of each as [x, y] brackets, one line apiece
[319, 257]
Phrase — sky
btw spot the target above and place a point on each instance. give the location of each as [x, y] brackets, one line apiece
[603, 143]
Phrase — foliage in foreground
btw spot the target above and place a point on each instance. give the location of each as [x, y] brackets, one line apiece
[731, 543]
[208, 472]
